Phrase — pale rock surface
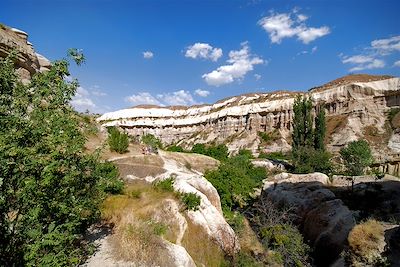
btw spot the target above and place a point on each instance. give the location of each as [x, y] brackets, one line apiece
[237, 120]
[324, 220]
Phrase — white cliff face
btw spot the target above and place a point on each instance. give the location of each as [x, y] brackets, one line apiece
[237, 120]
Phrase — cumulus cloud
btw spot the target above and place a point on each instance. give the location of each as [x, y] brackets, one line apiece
[363, 62]
[142, 98]
[148, 54]
[287, 25]
[240, 63]
[203, 50]
[397, 63]
[176, 98]
[257, 76]
[202, 93]
[88, 99]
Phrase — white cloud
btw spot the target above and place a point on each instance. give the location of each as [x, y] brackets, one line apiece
[386, 46]
[177, 98]
[203, 50]
[282, 25]
[257, 76]
[82, 101]
[202, 93]
[363, 62]
[397, 63]
[148, 54]
[314, 49]
[240, 63]
[142, 98]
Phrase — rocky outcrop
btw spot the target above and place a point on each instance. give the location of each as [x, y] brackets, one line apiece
[28, 62]
[354, 109]
[324, 220]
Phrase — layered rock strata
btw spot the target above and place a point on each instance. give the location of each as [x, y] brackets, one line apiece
[351, 108]
[28, 62]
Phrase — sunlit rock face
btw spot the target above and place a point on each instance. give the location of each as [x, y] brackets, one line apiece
[28, 62]
[355, 105]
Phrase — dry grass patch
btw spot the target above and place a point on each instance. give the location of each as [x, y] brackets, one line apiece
[203, 250]
[137, 237]
[366, 241]
[194, 161]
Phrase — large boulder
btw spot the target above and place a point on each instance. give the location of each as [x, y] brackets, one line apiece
[324, 220]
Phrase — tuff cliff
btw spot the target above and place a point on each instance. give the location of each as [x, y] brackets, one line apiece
[356, 106]
[27, 62]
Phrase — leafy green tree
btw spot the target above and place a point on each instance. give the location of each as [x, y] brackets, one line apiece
[302, 123]
[151, 140]
[117, 140]
[50, 190]
[175, 148]
[356, 156]
[320, 130]
[234, 180]
[219, 152]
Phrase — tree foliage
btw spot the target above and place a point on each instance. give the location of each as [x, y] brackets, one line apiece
[357, 156]
[117, 140]
[234, 180]
[308, 149]
[152, 141]
[219, 152]
[49, 189]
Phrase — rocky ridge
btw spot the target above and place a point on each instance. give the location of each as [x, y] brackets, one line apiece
[28, 62]
[355, 107]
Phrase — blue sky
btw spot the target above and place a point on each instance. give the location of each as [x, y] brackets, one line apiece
[190, 52]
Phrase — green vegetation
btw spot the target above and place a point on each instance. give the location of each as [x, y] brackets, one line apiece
[175, 148]
[191, 201]
[166, 185]
[151, 141]
[49, 190]
[219, 152]
[234, 180]
[117, 141]
[308, 149]
[268, 137]
[274, 156]
[356, 156]
[246, 153]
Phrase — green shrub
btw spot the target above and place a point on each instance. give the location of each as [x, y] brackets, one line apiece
[166, 185]
[287, 241]
[117, 141]
[356, 156]
[308, 159]
[199, 149]
[268, 137]
[191, 200]
[175, 148]
[152, 141]
[219, 152]
[234, 180]
[245, 152]
[107, 173]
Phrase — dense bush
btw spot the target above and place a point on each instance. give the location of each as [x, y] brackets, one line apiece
[191, 201]
[356, 156]
[274, 156]
[234, 180]
[219, 152]
[308, 159]
[246, 153]
[49, 190]
[175, 148]
[166, 185]
[152, 141]
[117, 140]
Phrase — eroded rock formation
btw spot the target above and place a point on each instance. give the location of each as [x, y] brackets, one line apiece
[28, 62]
[356, 106]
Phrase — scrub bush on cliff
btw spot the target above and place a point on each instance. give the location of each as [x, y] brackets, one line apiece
[49, 190]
